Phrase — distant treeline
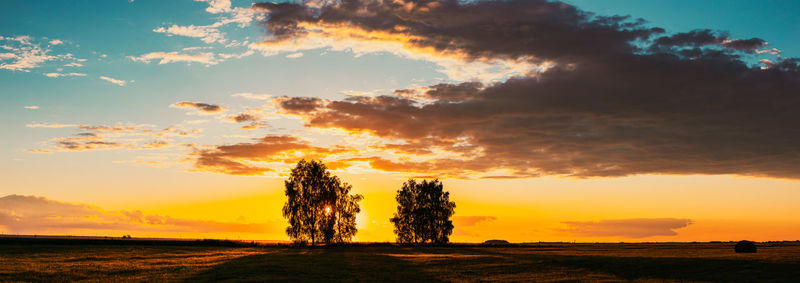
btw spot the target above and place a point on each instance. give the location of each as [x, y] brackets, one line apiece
[89, 240]
[77, 240]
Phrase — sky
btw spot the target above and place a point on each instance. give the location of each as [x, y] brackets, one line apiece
[588, 121]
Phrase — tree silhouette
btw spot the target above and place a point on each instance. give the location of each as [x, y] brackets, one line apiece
[423, 213]
[319, 205]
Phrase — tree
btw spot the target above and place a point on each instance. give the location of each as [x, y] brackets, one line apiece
[423, 213]
[319, 205]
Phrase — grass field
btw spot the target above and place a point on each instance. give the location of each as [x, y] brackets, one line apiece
[549, 262]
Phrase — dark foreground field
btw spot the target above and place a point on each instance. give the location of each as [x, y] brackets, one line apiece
[36, 261]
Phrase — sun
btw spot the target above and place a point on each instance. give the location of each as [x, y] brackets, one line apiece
[327, 210]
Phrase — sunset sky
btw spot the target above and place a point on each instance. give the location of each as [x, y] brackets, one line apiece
[546, 121]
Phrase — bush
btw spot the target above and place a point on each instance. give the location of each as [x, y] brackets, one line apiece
[745, 247]
[496, 243]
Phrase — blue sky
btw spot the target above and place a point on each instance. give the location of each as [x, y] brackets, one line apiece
[773, 21]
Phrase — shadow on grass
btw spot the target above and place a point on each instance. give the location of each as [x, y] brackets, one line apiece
[694, 269]
[664, 268]
[315, 265]
[427, 265]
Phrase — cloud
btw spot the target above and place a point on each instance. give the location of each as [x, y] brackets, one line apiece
[705, 37]
[39, 215]
[209, 34]
[364, 28]
[114, 81]
[295, 55]
[70, 145]
[217, 6]
[206, 58]
[155, 144]
[56, 42]
[299, 105]
[244, 117]
[236, 55]
[619, 98]
[466, 225]
[44, 125]
[244, 158]
[469, 221]
[56, 75]
[473, 29]
[628, 228]
[31, 107]
[102, 137]
[23, 53]
[202, 108]
[254, 125]
[253, 96]
[117, 128]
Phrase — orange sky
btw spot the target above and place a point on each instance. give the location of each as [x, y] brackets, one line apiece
[696, 208]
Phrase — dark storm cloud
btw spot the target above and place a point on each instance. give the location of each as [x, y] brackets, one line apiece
[681, 104]
[693, 38]
[749, 45]
[705, 37]
[629, 228]
[622, 98]
[481, 29]
[633, 117]
[450, 92]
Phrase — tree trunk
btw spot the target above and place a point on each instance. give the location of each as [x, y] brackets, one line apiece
[313, 230]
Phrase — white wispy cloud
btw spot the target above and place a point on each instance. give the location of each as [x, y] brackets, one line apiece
[114, 137]
[56, 75]
[114, 81]
[217, 6]
[236, 55]
[253, 96]
[295, 55]
[207, 58]
[209, 34]
[23, 53]
[243, 16]
[44, 125]
[32, 107]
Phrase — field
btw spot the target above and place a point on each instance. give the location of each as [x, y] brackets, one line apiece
[167, 261]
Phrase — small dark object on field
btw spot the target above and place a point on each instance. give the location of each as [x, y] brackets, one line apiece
[496, 242]
[745, 247]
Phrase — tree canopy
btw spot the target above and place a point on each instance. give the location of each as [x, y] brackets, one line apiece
[319, 206]
[423, 213]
